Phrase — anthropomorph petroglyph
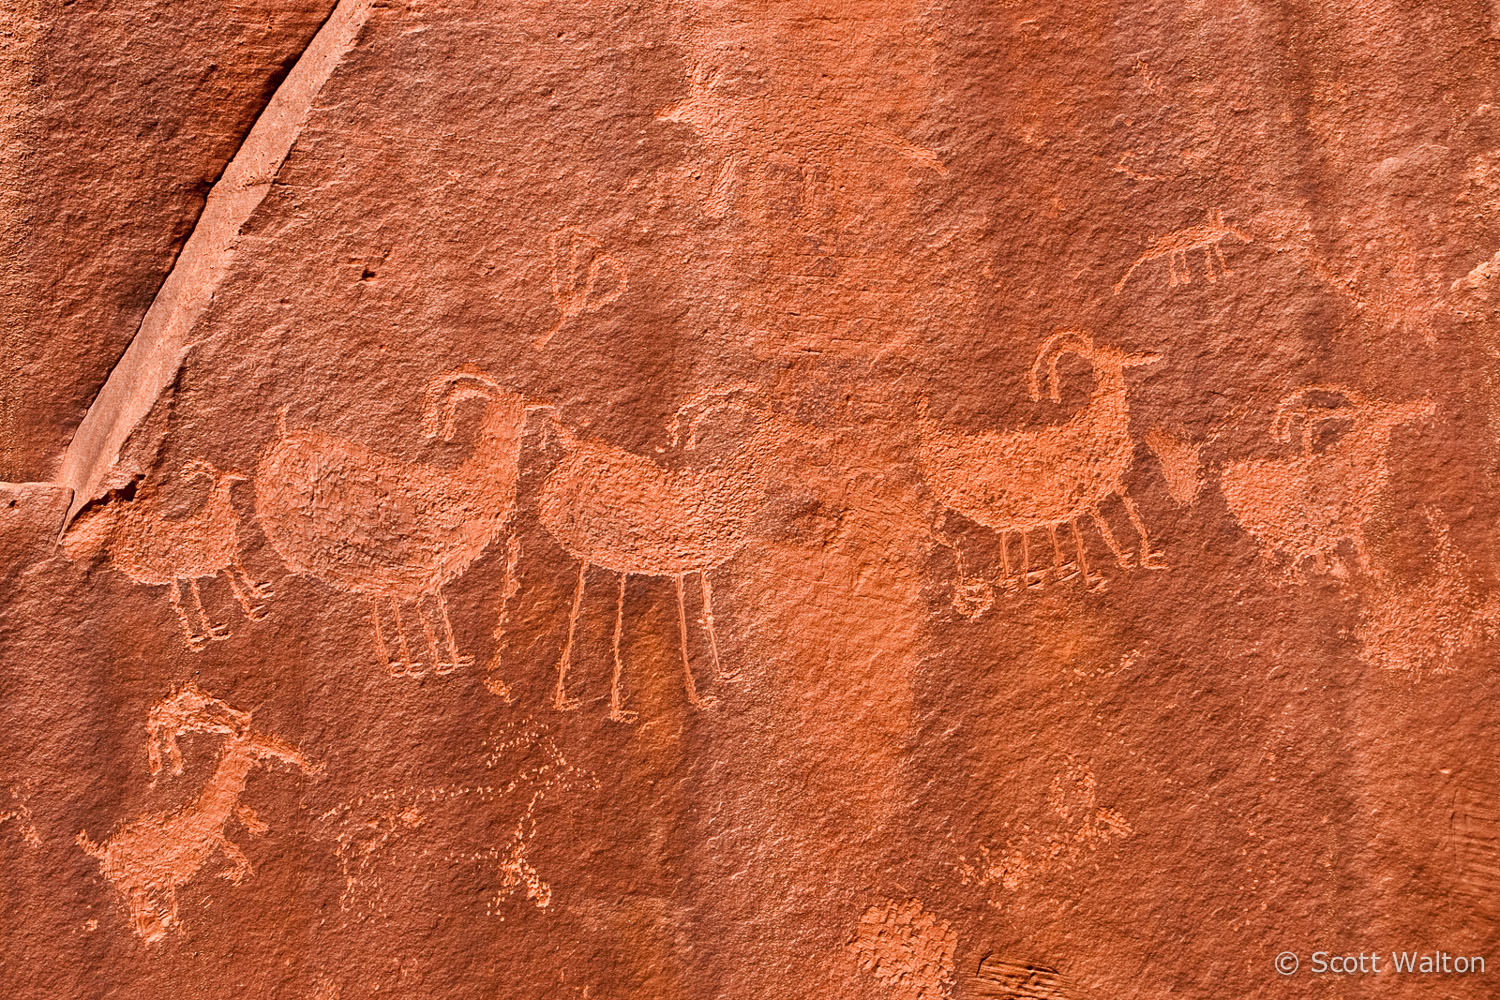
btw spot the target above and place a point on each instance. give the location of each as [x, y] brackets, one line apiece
[392, 530]
[1421, 627]
[1076, 827]
[151, 858]
[1309, 506]
[636, 517]
[584, 278]
[1019, 482]
[422, 825]
[139, 538]
[908, 950]
[1206, 237]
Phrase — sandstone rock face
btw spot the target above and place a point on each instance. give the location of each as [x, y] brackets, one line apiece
[757, 501]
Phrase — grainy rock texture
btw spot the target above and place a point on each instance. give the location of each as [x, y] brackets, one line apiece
[884, 501]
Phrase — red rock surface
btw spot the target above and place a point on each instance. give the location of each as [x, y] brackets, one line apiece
[748, 500]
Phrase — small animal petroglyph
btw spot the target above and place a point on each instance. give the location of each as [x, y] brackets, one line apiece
[1018, 482]
[392, 530]
[1476, 844]
[907, 950]
[1180, 465]
[1122, 167]
[149, 859]
[1078, 827]
[584, 278]
[1308, 506]
[633, 516]
[1206, 236]
[370, 830]
[1421, 627]
[17, 815]
[998, 979]
[138, 538]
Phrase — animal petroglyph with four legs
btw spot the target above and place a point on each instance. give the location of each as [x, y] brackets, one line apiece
[139, 539]
[392, 530]
[1205, 236]
[633, 516]
[1018, 482]
[149, 859]
[1309, 505]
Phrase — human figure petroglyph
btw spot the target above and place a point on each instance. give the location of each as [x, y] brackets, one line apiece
[150, 859]
[907, 949]
[1308, 506]
[1019, 482]
[139, 538]
[1206, 236]
[584, 278]
[392, 530]
[630, 514]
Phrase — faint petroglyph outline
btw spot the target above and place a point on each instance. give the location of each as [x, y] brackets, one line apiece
[1080, 828]
[140, 541]
[1175, 246]
[510, 586]
[155, 354]
[1148, 79]
[999, 979]
[1135, 175]
[1421, 627]
[681, 522]
[365, 829]
[745, 129]
[1474, 831]
[20, 812]
[1075, 467]
[417, 526]
[1307, 506]
[578, 264]
[906, 949]
[155, 855]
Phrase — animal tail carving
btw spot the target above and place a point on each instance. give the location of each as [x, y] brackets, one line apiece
[1181, 465]
[1128, 272]
[272, 748]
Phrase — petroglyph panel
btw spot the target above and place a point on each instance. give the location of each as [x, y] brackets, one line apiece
[732, 499]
